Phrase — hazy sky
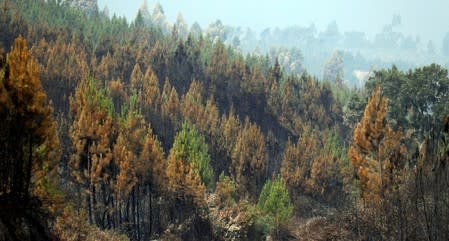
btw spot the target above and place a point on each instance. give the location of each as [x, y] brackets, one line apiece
[427, 18]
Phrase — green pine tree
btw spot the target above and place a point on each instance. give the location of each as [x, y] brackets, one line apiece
[191, 146]
[274, 201]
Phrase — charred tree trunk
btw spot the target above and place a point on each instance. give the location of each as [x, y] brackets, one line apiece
[138, 212]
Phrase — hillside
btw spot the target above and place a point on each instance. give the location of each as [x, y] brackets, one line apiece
[116, 130]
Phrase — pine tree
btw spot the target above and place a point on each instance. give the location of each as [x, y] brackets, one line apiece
[126, 178]
[63, 65]
[192, 103]
[298, 160]
[151, 94]
[28, 140]
[136, 79]
[230, 126]
[183, 182]
[249, 159]
[211, 118]
[170, 104]
[117, 93]
[217, 71]
[92, 134]
[274, 200]
[151, 158]
[377, 150]
[191, 146]
[127, 148]
[325, 178]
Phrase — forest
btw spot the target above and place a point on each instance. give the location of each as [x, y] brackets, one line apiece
[138, 130]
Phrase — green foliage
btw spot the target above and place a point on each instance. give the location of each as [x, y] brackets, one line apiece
[191, 146]
[353, 108]
[129, 109]
[48, 183]
[341, 93]
[133, 102]
[333, 145]
[416, 99]
[99, 96]
[274, 200]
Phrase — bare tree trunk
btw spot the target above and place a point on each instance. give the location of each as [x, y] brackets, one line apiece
[30, 164]
[94, 203]
[138, 212]
[150, 209]
[426, 218]
[126, 214]
[382, 194]
[134, 215]
[114, 213]
[89, 198]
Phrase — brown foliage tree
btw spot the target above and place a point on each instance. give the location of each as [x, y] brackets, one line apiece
[117, 93]
[63, 66]
[184, 182]
[28, 139]
[92, 135]
[377, 150]
[298, 160]
[249, 160]
[136, 78]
